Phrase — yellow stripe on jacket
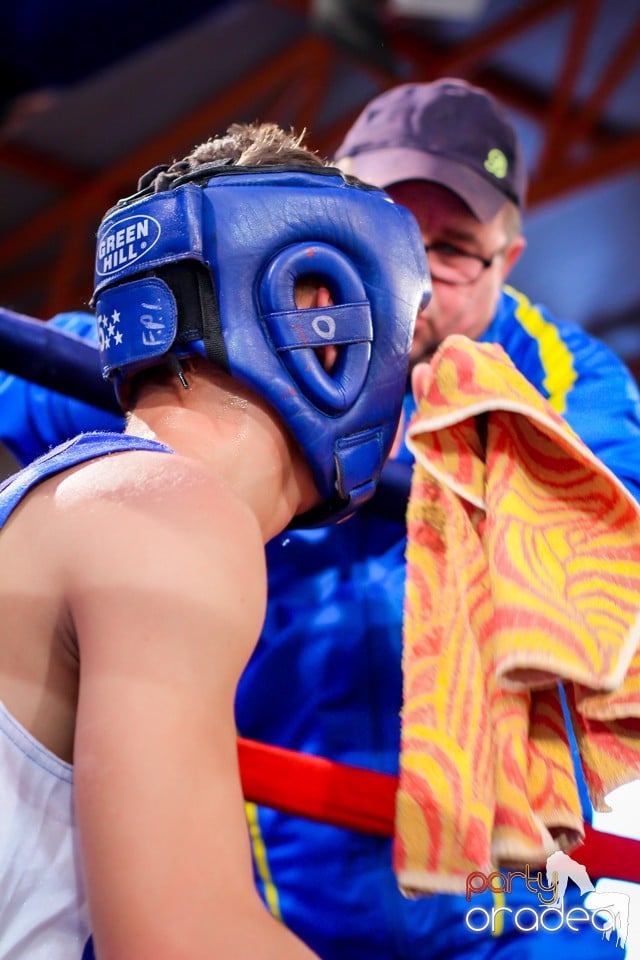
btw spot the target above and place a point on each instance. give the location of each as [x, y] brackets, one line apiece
[555, 357]
[261, 860]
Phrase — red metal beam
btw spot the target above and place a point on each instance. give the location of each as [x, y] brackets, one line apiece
[41, 166]
[70, 275]
[556, 140]
[316, 85]
[620, 64]
[463, 55]
[202, 122]
[292, 86]
[617, 157]
[299, 99]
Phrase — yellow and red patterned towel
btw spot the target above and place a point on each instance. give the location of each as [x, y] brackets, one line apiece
[523, 572]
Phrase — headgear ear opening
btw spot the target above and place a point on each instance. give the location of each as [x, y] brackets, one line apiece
[295, 333]
[249, 236]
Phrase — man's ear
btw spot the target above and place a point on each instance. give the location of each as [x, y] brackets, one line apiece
[323, 297]
[512, 254]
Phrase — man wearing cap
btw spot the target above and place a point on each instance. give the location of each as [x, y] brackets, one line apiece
[448, 152]
[326, 676]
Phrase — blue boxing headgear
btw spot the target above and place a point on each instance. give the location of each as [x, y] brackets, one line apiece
[210, 265]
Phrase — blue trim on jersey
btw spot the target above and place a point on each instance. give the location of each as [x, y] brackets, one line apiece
[87, 446]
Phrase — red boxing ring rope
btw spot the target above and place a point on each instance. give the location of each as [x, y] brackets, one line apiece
[358, 799]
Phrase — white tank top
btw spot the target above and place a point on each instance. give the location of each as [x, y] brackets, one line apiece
[43, 907]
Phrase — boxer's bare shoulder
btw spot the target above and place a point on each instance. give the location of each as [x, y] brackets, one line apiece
[137, 562]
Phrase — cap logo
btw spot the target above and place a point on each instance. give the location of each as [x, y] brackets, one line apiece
[496, 163]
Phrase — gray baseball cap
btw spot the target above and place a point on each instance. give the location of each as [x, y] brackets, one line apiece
[448, 132]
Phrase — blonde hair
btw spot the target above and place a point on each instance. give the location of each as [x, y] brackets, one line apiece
[243, 145]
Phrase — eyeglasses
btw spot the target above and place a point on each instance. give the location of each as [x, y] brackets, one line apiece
[449, 264]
